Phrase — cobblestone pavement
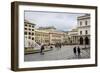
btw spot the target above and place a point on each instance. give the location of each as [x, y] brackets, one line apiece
[64, 53]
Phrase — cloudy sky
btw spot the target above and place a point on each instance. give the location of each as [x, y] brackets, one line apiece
[60, 20]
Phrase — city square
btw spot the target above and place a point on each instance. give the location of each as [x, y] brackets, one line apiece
[53, 36]
[64, 53]
[65, 41]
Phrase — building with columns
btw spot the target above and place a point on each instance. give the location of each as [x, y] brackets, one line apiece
[71, 37]
[84, 29]
[81, 34]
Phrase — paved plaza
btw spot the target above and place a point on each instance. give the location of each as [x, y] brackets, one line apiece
[64, 53]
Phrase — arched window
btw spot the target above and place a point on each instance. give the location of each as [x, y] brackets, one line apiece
[86, 40]
[81, 41]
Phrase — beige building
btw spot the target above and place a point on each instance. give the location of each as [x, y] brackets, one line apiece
[56, 37]
[42, 37]
[49, 35]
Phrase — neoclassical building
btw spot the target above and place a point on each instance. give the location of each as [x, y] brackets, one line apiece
[81, 34]
[71, 37]
[84, 29]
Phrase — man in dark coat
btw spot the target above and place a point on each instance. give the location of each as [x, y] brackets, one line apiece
[41, 50]
[74, 50]
[79, 51]
[51, 47]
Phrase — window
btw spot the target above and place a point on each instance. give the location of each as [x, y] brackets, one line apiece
[86, 32]
[32, 29]
[32, 38]
[80, 32]
[29, 33]
[25, 28]
[32, 33]
[25, 24]
[86, 22]
[25, 33]
[29, 29]
[80, 23]
[29, 25]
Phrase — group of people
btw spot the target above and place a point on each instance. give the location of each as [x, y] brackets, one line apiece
[58, 45]
[77, 51]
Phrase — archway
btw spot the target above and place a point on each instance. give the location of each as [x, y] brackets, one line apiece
[81, 41]
[86, 40]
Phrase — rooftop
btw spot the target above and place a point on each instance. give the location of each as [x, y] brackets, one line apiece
[26, 21]
[84, 17]
[43, 28]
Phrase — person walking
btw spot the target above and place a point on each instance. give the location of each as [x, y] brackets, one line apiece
[74, 50]
[41, 50]
[51, 47]
[79, 51]
[60, 45]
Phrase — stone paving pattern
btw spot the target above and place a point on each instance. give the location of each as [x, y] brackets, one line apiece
[64, 53]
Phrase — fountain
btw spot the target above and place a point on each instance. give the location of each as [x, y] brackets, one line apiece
[32, 44]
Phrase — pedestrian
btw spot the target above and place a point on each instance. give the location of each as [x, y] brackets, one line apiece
[79, 51]
[41, 50]
[55, 45]
[60, 45]
[74, 50]
[51, 47]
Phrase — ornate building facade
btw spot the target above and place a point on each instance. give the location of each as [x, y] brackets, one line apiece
[84, 29]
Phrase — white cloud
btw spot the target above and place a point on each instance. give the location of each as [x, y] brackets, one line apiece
[62, 21]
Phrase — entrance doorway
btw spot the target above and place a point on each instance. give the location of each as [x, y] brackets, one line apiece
[81, 41]
[86, 40]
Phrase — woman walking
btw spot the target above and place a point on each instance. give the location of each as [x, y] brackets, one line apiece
[41, 50]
